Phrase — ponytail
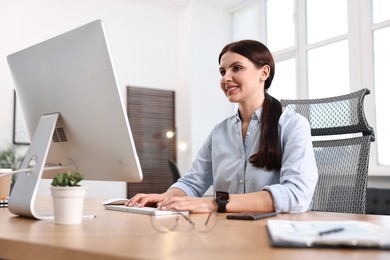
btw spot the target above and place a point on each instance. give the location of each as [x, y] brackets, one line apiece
[269, 154]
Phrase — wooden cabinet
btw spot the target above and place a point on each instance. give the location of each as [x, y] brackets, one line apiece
[151, 114]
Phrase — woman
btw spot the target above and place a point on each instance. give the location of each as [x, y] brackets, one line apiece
[261, 159]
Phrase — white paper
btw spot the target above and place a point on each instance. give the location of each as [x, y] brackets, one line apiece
[307, 233]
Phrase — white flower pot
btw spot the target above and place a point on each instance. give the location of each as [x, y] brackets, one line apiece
[68, 203]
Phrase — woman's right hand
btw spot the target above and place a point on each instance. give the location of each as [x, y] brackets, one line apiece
[142, 199]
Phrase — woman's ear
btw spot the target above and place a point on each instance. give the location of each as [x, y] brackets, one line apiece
[265, 70]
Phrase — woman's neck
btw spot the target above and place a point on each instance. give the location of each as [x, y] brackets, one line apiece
[246, 110]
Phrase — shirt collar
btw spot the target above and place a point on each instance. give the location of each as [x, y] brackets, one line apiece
[255, 115]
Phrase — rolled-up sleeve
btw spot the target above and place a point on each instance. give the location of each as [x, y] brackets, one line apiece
[199, 178]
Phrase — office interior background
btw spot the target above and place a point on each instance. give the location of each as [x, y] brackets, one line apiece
[321, 48]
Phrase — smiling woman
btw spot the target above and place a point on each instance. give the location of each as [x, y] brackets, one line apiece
[251, 172]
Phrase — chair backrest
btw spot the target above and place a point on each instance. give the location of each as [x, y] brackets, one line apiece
[342, 155]
[174, 170]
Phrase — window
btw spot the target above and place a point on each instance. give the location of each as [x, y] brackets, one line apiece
[280, 24]
[284, 86]
[380, 11]
[328, 70]
[327, 55]
[381, 43]
[324, 20]
[326, 48]
[280, 35]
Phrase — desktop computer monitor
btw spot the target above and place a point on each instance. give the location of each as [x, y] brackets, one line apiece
[70, 98]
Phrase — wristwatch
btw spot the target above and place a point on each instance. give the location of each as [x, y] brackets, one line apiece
[222, 198]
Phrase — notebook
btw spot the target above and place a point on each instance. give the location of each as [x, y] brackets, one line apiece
[352, 234]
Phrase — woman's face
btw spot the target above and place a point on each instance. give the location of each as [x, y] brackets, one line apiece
[241, 81]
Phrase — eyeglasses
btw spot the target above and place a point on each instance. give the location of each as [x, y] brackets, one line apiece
[184, 222]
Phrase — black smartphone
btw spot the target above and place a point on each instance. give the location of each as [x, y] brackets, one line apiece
[251, 216]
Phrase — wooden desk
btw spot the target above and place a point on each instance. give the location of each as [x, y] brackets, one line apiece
[119, 235]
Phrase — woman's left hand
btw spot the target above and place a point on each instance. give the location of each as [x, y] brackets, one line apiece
[192, 204]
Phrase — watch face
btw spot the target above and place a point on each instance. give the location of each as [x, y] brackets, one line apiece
[221, 195]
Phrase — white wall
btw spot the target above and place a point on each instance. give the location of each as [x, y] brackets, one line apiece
[140, 45]
[203, 31]
[171, 44]
[143, 49]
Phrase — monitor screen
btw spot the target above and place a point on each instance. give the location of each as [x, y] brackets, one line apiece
[72, 76]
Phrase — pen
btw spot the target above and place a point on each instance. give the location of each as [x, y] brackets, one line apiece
[333, 230]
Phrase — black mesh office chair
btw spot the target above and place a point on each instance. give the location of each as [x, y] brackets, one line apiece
[342, 154]
[174, 170]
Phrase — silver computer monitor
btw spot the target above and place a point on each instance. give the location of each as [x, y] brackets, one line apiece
[75, 116]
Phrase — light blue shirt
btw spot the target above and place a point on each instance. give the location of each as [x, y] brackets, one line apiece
[223, 162]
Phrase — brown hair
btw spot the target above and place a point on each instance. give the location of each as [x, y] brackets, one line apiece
[269, 154]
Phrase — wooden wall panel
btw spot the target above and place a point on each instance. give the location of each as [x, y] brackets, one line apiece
[151, 114]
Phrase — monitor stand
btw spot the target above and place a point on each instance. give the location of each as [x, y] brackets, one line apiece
[24, 191]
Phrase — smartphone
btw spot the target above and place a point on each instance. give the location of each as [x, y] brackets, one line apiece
[251, 216]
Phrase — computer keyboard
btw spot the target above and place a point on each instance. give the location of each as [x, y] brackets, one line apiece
[144, 210]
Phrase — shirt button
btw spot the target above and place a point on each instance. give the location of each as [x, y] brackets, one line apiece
[241, 181]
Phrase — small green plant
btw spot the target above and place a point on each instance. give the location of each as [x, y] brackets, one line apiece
[67, 179]
[9, 159]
